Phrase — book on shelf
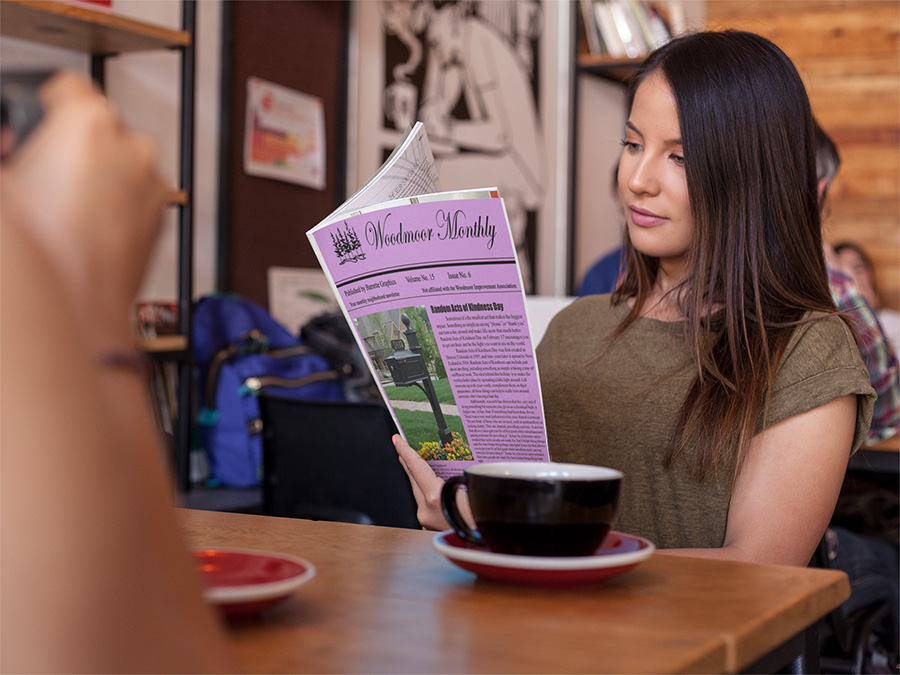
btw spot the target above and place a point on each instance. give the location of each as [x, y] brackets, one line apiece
[163, 383]
[592, 36]
[430, 285]
[608, 30]
[101, 5]
[623, 28]
[626, 27]
[660, 33]
[155, 319]
[640, 22]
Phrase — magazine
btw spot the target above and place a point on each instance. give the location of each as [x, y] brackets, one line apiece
[430, 284]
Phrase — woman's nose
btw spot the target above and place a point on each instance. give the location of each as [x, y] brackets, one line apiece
[643, 178]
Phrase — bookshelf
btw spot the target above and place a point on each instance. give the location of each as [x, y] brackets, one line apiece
[614, 36]
[607, 67]
[167, 346]
[103, 34]
[63, 24]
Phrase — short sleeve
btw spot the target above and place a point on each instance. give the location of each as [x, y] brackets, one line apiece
[822, 363]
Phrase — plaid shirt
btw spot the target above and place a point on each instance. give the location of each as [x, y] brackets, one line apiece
[876, 352]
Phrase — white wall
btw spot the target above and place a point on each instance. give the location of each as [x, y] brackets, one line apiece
[598, 135]
[145, 87]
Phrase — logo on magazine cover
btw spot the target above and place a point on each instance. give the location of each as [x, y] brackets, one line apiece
[346, 245]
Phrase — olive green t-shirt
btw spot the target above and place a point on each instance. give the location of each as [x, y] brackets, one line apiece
[619, 408]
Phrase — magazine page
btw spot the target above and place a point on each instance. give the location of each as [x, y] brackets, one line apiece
[432, 289]
[408, 171]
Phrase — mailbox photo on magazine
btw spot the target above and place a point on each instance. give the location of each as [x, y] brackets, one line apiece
[430, 284]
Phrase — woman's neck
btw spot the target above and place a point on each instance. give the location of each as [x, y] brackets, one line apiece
[662, 303]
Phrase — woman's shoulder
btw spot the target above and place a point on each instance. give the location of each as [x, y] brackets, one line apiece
[582, 317]
[826, 337]
[822, 362]
[822, 348]
[588, 313]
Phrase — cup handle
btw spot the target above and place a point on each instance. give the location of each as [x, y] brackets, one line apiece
[451, 511]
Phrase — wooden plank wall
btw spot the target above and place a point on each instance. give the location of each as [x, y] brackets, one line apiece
[848, 52]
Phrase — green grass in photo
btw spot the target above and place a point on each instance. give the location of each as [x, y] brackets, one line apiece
[413, 393]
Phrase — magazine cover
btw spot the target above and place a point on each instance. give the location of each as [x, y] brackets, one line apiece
[432, 289]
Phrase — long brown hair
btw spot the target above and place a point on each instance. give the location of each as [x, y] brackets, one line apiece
[756, 259]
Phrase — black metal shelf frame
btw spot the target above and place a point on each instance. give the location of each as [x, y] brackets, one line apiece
[183, 428]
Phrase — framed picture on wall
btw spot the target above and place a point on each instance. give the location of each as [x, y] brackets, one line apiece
[491, 82]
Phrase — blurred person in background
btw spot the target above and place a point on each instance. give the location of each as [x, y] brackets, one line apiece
[857, 264]
[849, 296]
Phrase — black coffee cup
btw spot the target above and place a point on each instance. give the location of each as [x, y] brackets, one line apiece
[535, 508]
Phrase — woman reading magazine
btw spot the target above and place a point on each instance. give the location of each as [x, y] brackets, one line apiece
[718, 376]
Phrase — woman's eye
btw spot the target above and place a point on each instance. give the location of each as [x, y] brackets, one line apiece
[678, 159]
[631, 146]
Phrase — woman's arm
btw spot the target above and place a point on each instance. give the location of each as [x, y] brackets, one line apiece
[782, 500]
[786, 491]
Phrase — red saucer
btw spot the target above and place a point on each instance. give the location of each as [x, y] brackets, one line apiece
[618, 554]
[242, 581]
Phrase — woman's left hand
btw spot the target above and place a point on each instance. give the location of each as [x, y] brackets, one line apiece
[426, 486]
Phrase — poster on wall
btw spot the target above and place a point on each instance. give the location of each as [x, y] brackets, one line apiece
[489, 80]
[284, 137]
[297, 294]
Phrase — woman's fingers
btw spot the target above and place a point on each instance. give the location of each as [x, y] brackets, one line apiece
[425, 484]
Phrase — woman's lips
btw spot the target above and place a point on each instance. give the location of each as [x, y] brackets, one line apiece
[644, 218]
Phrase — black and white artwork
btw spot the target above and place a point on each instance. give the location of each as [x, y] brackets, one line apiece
[488, 79]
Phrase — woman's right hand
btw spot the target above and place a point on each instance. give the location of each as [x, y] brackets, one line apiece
[426, 486]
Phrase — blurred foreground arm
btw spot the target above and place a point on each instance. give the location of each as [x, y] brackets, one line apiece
[95, 575]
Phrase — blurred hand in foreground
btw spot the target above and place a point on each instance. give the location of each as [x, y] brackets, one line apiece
[88, 189]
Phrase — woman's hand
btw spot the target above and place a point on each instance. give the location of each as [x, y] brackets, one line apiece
[426, 486]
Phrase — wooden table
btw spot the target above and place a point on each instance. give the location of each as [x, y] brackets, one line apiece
[384, 601]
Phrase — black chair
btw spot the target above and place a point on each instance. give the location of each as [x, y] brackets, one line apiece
[333, 460]
[844, 639]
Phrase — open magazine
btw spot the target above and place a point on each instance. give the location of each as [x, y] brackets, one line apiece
[430, 284]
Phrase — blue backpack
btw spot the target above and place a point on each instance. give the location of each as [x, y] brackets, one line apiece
[239, 350]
